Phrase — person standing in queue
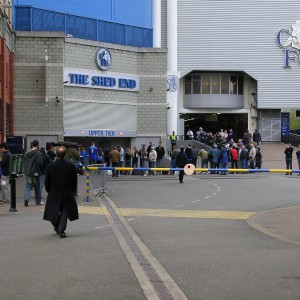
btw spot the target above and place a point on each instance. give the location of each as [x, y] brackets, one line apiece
[51, 153]
[61, 186]
[93, 152]
[181, 161]
[115, 157]
[289, 158]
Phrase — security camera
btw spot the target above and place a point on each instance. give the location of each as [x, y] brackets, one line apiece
[168, 107]
[57, 100]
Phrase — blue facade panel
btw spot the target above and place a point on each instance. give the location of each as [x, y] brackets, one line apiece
[44, 20]
[34, 19]
[23, 19]
[82, 28]
[130, 12]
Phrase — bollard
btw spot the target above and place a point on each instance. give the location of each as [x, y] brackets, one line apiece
[13, 177]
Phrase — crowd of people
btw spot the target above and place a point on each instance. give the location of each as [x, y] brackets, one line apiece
[226, 151]
[146, 157]
[211, 139]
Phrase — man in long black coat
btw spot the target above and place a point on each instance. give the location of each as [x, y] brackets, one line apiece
[61, 185]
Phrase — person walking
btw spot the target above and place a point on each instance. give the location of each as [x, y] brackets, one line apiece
[46, 162]
[33, 163]
[5, 169]
[289, 158]
[61, 186]
[181, 161]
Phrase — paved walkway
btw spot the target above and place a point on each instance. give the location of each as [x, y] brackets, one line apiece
[273, 156]
[283, 223]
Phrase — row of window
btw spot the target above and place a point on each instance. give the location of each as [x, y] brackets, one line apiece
[33, 19]
[214, 84]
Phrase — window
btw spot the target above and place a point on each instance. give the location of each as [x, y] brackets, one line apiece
[233, 85]
[224, 84]
[188, 85]
[215, 84]
[196, 84]
[206, 84]
[240, 85]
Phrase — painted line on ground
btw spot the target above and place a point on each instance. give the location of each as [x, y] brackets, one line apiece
[170, 213]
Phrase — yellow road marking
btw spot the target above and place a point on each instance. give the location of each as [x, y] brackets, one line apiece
[171, 213]
[92, 210]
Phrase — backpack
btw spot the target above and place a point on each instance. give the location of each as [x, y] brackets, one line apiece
[35, 170]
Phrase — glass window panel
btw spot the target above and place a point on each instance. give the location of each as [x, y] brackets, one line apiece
[196, 84]
[206, 84]
[215, 84]
[224, 84]
[240, 85]
[188, 85]
[233, 85]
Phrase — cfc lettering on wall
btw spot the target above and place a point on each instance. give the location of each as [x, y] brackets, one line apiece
[289, 42]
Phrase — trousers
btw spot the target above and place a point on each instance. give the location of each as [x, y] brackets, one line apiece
[61, 224]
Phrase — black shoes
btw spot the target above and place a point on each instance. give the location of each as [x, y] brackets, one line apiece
[62, 235]
[55, 229]
[26, 203]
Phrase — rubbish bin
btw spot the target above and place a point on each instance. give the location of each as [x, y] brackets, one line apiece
[13, 163]
[20, 164]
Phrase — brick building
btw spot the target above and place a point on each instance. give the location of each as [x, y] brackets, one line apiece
[6, 71]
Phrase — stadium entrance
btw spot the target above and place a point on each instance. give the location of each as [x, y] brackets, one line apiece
[214, 122]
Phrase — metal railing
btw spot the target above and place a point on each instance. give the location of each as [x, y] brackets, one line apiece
[291, 138]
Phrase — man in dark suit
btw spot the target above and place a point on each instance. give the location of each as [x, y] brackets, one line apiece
[61, 185]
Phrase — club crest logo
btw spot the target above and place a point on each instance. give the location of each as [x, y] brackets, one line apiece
[171, 83]
[289, 41]
[103, 59]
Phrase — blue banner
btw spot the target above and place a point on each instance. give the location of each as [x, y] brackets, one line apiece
[285, 123]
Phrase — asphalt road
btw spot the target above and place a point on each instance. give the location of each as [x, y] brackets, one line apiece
[195, 235]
